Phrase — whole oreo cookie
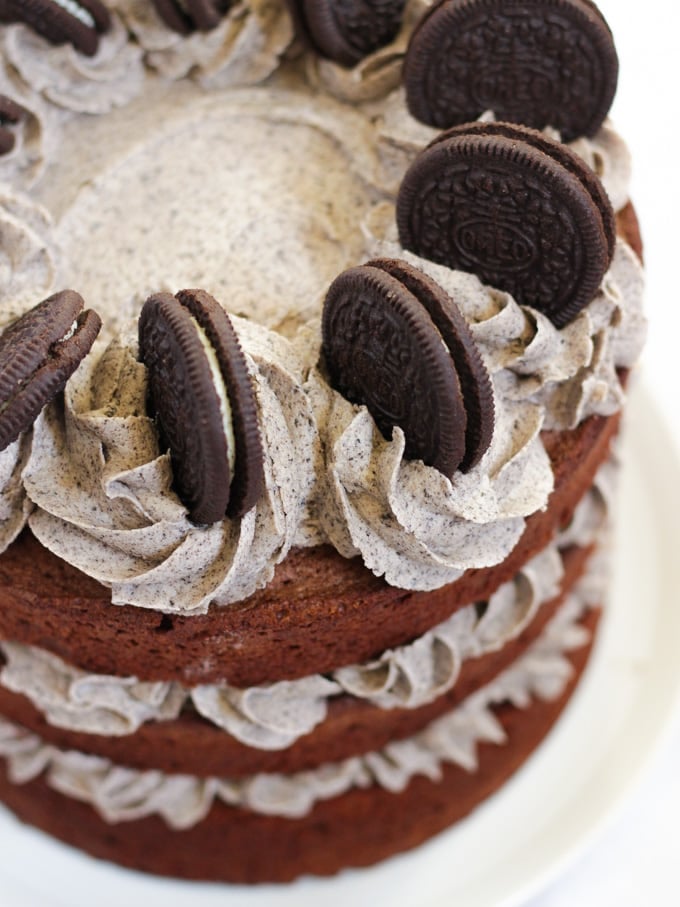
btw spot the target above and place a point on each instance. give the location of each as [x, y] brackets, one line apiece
[395, 341]
[191, 15]
[38, 354]
[511, 211]
[203, 401]
[535, 62]
[346, 31]
[10, 114]
[80, 22]
[560, 153]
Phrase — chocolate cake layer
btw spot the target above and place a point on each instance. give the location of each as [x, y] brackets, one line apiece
[355, 829]
[192, 745]
[320, 612]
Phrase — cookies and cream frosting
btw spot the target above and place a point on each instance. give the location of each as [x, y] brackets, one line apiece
[301, 186]
[109, 509]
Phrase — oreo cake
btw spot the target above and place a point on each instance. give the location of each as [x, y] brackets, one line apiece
[305, 479]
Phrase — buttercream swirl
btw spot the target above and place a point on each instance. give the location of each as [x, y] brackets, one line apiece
[400, 138]
[243, 49]
[72, 80]
[411, 524]
[14, 504]
[27, 257]
[570, 373]
[104, 490]
[122, 794]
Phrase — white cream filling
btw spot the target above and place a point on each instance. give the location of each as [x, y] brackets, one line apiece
[77, 11]
[220, 386]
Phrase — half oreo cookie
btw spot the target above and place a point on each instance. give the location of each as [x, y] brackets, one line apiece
[76, 22]
[515, 208]
[10, 114]
[38, 354]
[186, 16]
[395, 341]
[346, 31]
[538, 62]
[203, 400]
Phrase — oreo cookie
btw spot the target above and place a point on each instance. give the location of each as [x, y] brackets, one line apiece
[186, 16]
[394, 341]
[10, 115]
[202, 398]
[346, 31]
[514, 208]
[539, 63]
[38, 354]
[78, 22]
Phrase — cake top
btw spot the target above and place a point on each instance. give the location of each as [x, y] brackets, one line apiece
[283, 192]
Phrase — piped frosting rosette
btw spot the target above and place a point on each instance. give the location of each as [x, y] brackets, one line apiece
[411, 524]
[400, 138]
[36, 135]
[243, 49]
[104, 494]
[420, 529]
[69, 79]
[570, 372]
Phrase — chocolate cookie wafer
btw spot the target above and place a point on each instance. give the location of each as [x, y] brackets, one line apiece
[80, 22]
[202, 398]
[38, 354]
[512, 212]
[474, 378]
[349, 30]
[394, 341]
[186, 16]
[10, 114]
[538, 62]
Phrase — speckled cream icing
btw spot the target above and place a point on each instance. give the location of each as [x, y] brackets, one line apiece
[244, 49]
[121, 794]
[106, 502]
[302, 186]
[274, 716]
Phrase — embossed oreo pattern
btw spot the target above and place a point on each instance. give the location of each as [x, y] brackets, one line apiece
[536, 62]
[348, 30]
[509, 214]
[381, 349]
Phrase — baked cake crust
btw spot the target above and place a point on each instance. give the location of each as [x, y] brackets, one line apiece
[356, 829]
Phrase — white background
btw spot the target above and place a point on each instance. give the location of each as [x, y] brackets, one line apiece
[636, 863]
